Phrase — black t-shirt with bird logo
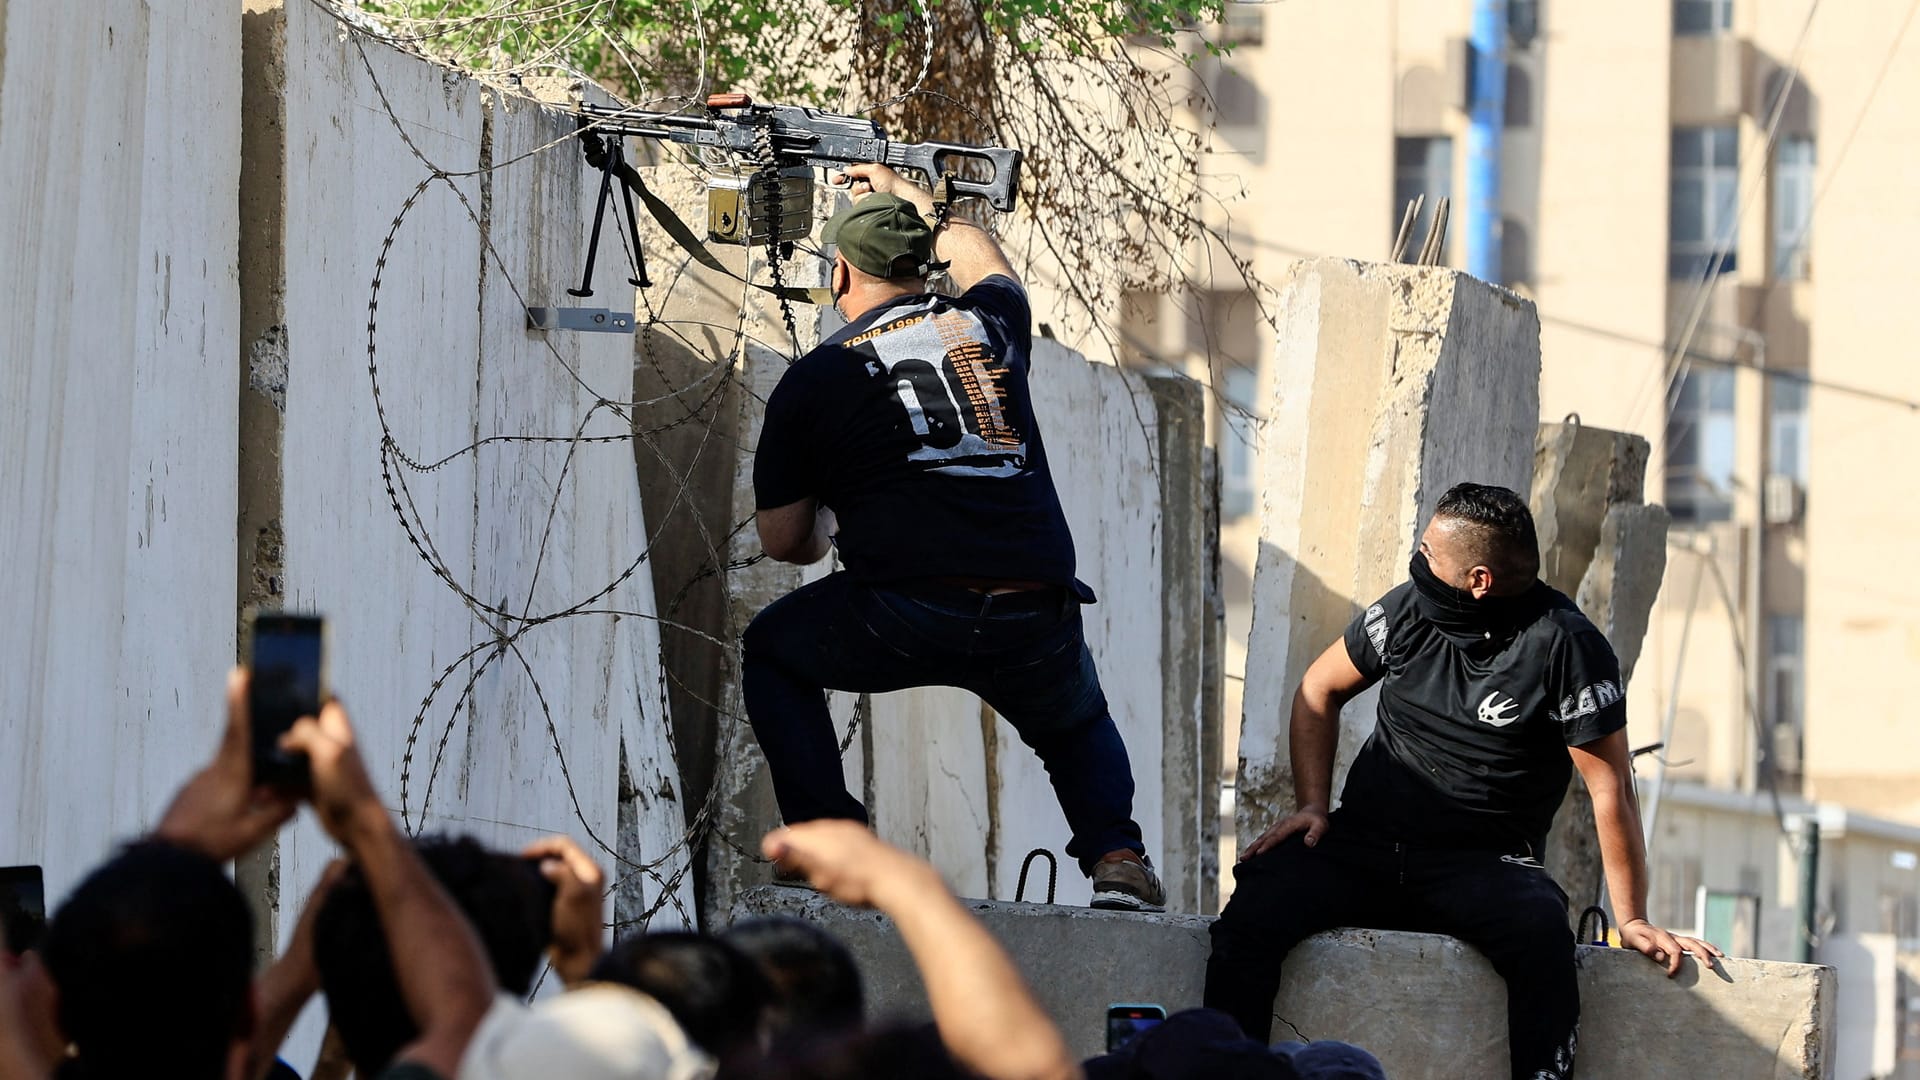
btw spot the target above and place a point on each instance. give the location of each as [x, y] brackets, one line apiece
[1469, 747]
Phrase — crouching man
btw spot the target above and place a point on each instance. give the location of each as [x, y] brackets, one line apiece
[1492, 687]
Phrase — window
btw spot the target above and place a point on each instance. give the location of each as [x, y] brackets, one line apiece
[1675, 895]
[1699, 445]
[1787, 428]
[1242, 23]
[1237, 463]
[1237, 102]
[1786, 701]
[1701, 201]
[1421, 166]
[1702, 16]
[1792, 206]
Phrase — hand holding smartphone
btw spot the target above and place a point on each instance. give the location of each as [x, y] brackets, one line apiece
[287, 681]
[1126, 1022]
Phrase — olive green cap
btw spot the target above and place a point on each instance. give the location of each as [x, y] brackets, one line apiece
[884, 235]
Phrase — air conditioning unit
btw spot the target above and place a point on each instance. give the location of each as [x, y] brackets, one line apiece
[1781, 500]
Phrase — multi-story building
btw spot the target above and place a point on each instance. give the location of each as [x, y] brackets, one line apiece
[1712, 204]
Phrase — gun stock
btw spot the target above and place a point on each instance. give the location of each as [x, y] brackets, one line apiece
[936, 159]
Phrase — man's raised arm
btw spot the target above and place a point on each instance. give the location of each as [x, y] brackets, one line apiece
[971, 254]
[444, 975]
[1330, 682]
[987, 1017]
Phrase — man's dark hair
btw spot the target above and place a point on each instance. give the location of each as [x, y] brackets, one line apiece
[713, 990]
[1498, 529]
[153, 959]
[509, 904]
[894, 1051]
[813, 978]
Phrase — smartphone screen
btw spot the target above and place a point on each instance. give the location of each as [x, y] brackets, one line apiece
[23, 907]
[288, 682]
[1126, 1022]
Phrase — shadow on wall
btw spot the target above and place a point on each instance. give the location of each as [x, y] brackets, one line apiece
[686, 450]
[1310, 615]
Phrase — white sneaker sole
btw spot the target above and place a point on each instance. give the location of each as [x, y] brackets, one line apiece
[1119, 901]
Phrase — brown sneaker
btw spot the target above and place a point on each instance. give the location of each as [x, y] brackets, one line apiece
[1124, 881]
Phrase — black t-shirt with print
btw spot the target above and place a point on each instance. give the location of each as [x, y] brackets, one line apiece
[1469, 747]
[915, 425]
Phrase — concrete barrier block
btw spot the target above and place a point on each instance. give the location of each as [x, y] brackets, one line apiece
[119, 358]
[1429, 1007]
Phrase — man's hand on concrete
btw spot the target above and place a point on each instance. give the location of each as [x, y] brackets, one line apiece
[579, 891]
[844, 860]
[220, 812]
[1664, 948]
[1311, 820]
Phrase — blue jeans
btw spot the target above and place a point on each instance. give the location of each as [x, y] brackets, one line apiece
[1023, 653]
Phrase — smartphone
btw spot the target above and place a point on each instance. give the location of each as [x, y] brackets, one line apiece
[1125, 1022]
[23, 907]
[289, 681]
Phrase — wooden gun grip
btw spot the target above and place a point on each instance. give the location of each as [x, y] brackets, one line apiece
[733, 100]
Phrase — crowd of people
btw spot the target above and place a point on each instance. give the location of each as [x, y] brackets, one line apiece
[428, 953]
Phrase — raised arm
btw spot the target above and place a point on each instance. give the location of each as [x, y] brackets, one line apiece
[971, 254]
[987, 1018]
[1314, 733]
[1604, 767]
[437, 958]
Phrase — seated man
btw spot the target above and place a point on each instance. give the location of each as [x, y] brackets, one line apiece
[1490, 681]
[914, 428]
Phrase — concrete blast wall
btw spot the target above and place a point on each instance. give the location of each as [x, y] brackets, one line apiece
[491, 614]
[1601, 545]
[1391, 384]
[1428, 1007]
[119, 324]
[941, 775]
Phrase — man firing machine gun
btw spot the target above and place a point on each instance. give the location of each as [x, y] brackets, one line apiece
[760, 190]
[908, 441]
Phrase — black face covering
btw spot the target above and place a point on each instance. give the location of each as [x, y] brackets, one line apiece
[1464, 620]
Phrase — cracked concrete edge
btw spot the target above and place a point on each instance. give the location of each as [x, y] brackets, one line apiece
[260, 555]
[1180, 412]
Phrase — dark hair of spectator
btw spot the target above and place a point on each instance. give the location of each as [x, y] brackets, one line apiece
[1498, 530]
[897, 1051]
[152, 956]
[712, 989]
[509, 904]
[813, 978]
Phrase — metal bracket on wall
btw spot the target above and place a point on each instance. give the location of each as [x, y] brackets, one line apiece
[591, 320]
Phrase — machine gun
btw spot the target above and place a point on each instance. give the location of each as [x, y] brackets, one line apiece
[764, 194]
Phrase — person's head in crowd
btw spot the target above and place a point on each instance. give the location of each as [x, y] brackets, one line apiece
[913, 1051]
[716, 993]
[503, 896]
[151, 958]
[1206, 1044]
[597, 1032]
[814, 980]
[1481, 540]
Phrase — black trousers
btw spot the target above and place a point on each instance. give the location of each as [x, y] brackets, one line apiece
[1506, 906]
